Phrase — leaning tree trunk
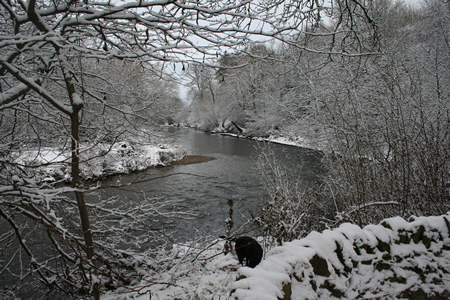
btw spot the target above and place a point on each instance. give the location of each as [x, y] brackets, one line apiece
[75, 121]
[76, 182]
[77, 105]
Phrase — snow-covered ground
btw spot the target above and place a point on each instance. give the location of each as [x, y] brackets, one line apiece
[296, 141]
[99, 160]
[393, 260]
[199, 271]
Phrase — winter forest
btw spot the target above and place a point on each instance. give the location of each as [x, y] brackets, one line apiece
[87, 84]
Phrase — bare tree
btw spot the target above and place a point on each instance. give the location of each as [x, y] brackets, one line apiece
[380, 114]
[380, 117]
[48, 90]
[204, 96]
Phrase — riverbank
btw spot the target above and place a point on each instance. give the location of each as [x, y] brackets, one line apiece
[318, 142]
[99, 160]
[289, 141]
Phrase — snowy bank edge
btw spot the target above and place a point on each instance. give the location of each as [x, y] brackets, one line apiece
[99, 161]
[299, 142]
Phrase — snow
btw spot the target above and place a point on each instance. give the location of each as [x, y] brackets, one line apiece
[362, 268]
[12, 93]
[195, 272]
[99, 160]
[355, 265]
[298, 142]
[77, 101]
[278, 139]
[408, 266]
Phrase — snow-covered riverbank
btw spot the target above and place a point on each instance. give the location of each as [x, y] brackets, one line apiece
[318, 143]
[100, 160]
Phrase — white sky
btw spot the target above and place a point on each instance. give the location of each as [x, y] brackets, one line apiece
[416, 3]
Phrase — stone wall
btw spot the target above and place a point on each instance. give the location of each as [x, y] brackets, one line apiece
[393, 260]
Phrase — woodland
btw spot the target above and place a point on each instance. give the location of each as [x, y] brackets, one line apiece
[365, 82]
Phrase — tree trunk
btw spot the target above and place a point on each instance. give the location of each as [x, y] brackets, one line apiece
[75, 122]
[237, 127]
[76, 182]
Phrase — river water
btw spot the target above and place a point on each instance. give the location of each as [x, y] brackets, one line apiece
[204, 188]
[201, 189]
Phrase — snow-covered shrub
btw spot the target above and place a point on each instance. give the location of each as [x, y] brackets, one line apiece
[192, 270]
[291, 211]
[387, 123]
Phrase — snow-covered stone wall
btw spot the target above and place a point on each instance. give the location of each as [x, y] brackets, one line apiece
[393, 260]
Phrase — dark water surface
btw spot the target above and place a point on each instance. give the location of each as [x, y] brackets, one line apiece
[204, 188]
[201, 188]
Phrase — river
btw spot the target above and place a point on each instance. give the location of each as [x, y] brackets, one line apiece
[201, 189]
[204, 188]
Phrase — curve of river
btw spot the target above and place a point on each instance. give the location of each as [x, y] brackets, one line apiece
[204, 188]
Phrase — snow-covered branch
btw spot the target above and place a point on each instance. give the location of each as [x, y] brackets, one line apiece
[76, 73]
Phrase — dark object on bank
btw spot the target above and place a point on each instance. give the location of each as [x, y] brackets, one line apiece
[192, 159]
[247, 249]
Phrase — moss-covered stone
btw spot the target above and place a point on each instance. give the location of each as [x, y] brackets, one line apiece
[447, 222]
[313, 285]
[404, 237]
[426, 241]
[387, 256]
[397, 259]
[386, 225]
[340, 255]
[356, 248]
[418, 294]
[397, 279]
[298, 277]
[367, 262]
[240, 277]
[369, 249]
[381, 265]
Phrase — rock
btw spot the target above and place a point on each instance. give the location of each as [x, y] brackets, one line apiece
[287, 291]
[320, 266]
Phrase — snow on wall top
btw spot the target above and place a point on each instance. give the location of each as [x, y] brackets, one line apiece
[393, 260]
